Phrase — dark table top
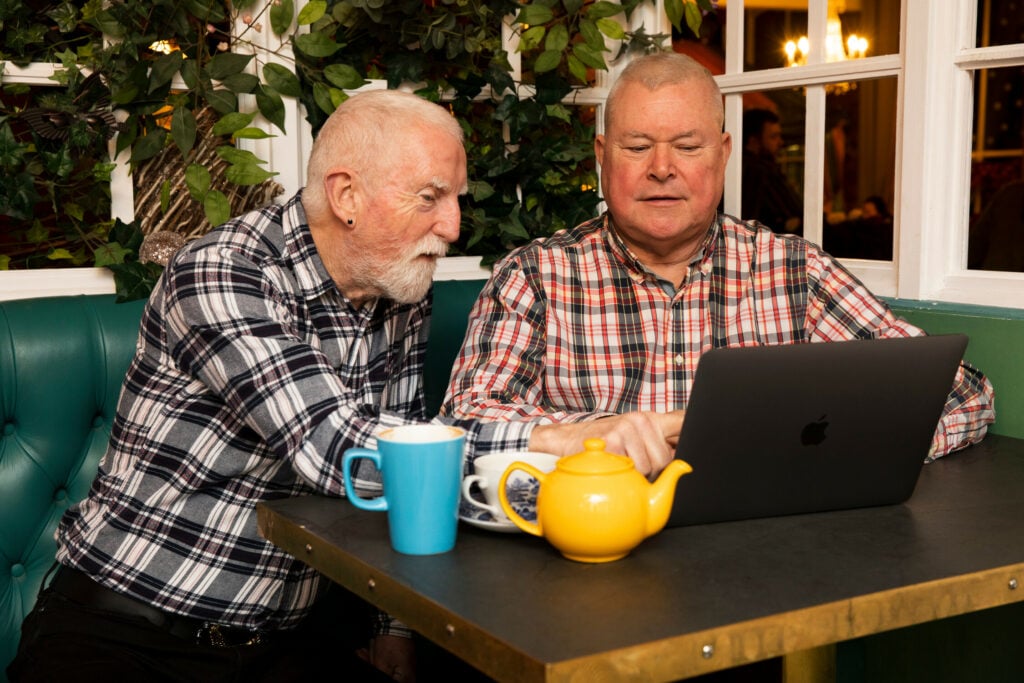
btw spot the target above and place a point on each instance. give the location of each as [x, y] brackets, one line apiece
[694, 599]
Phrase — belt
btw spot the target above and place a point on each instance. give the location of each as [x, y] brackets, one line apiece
[79, 588]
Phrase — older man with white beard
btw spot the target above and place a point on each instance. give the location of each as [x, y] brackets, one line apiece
[269, 346]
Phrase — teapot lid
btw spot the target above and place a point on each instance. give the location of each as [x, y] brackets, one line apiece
[594, 460]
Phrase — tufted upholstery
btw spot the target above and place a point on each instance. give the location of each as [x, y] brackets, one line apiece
[62, 360]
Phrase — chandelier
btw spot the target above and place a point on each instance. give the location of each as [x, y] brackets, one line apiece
[836, 50]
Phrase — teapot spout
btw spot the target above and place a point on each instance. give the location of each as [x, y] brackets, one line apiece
[663, 491]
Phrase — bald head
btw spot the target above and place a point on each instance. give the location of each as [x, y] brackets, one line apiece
[660, 69]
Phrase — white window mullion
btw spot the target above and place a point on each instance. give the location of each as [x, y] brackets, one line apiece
[936, 127]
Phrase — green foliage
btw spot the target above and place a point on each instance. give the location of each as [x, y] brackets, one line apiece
[531, 156]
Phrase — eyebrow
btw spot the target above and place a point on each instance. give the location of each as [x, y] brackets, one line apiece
[442, 186]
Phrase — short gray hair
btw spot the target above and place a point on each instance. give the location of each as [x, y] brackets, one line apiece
[367, 132]
[660, 69]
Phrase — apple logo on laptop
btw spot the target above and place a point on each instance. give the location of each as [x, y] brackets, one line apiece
[813, 433]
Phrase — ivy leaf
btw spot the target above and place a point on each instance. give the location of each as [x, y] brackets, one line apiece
[532, 15]
[229, 123]
[591, 34]
[216, 207]
[271, 105]
[480, 190]
[60, 254]
[197, 180]
[282, 80]
[183, 129]
[247, 174]
[164, 68]
[253, 133]
[344, 76]
[531, 37]
[165, 195]
[226, 64]
[234, 155]
[604, 8]
[577, 68]
[557, 39]
[611, 28]
[316, 44]
[134, 280]
[693, 17]
[110, 253]
[149, 145]
[547, 61]
[311, 12]
[281, 14]
[589, 56]
[241, 82]
[674, 11]
[222, 100]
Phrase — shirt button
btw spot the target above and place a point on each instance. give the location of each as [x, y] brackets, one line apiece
[678, 360]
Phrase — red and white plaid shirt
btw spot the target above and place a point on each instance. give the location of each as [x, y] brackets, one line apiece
[575, 327]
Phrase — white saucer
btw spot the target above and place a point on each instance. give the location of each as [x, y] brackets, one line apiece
[490, 524]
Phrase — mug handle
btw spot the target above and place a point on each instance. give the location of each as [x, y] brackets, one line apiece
[351, 455]
[467, 484]
[528, 527]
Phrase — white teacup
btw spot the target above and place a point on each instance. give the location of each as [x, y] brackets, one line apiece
[521, 487]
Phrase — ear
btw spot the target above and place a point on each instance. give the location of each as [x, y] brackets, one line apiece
[599, 149]
[341, 192]
[726, 147]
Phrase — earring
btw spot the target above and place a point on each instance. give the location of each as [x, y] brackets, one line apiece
[350, 221]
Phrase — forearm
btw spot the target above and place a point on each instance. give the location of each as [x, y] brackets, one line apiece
[969, 410]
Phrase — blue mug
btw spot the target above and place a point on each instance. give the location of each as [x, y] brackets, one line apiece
[421, 466]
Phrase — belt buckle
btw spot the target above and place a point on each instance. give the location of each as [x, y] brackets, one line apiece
[217, 635]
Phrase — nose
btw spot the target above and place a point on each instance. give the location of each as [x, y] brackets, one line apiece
[661, 167]
[448, 221]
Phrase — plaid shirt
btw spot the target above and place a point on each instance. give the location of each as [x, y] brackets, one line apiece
[252, 375]
[575, 327]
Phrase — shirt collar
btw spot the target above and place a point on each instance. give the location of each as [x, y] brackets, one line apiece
[310, 271]
[700, 259]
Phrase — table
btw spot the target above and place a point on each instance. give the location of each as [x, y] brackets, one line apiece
[690, 600]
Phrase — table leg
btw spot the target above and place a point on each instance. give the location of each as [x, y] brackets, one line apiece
[817, 665]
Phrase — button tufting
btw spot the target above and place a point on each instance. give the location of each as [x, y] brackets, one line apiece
[8, 429]
[17, 570]
[60, 495]
[97, 421]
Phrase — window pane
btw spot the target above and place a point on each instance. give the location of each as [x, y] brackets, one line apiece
[860, 164]
[997, 178]
[773, 159]
[1000, 22]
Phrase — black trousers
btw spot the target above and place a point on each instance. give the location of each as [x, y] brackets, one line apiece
[65, 641]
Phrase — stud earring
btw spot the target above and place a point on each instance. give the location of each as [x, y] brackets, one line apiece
[350, 221]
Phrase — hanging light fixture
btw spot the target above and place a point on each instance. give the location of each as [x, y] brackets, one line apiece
[836, 50]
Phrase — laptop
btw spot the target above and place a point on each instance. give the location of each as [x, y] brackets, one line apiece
[799, 428]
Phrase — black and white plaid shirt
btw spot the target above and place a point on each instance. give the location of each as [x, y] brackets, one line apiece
[252, 375]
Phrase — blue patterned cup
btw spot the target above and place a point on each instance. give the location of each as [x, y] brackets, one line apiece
[421, 466]
[522, 488]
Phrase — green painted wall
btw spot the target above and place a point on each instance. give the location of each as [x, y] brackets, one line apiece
[996, 348]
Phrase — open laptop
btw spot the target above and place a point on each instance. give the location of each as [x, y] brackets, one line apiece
[780, 430]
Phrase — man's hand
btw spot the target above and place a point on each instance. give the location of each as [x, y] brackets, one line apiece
[394, 655]
[648, 438]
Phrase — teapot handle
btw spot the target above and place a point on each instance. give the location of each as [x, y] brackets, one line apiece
[514, 517]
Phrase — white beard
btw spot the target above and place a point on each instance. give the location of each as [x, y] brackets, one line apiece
[407, 279]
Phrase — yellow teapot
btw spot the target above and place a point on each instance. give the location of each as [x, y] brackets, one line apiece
[595, 506]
